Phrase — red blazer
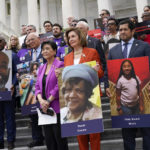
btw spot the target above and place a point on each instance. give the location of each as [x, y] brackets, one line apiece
[88, 54]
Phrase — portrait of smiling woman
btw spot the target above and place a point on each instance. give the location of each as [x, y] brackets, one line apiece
[77, 89]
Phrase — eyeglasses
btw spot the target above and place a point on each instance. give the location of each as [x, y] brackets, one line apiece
[102, 14]
[110, 24]
[47, 26]
[77, 91]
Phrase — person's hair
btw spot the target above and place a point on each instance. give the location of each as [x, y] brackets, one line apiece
[47, 21]
[2, 38]
[83, 23]
[32, 66]
[51, 43]
[23, 25]
[131, 25]
[33, 26]
[115, 20]
[17, 44]
[75, 20]
[83, 19]
[132, 73]
[107, 11]
[81, 35]
[135, 18]
[88, 89]
[148, 6]
[58, 25]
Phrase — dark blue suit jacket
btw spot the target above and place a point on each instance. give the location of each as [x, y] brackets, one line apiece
[138, 49]
[28, 57]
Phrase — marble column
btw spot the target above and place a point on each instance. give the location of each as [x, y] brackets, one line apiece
[3, 11]
[33, 16]
[139, 6]
[105, 4]
[70, 8]
[14, 16]
[43, 13]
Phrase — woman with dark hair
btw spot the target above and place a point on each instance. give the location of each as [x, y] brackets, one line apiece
[128, 92]
[134, 20]
[46, 91]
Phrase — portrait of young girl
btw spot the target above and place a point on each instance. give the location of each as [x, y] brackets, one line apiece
[128, 91]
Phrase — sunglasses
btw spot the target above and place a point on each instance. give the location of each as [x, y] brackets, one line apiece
[102, 14]
[74, 25]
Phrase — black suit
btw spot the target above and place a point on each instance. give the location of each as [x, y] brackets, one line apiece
[96, 44]
[138, 49]
[28, 56]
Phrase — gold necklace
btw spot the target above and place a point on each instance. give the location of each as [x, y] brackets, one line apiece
[78, 52]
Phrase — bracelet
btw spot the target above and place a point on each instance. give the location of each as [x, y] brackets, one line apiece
[118, 108]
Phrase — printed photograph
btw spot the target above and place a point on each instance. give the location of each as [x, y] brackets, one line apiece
[79, 94]
[5, 75]
[129, 86]
[27, 74]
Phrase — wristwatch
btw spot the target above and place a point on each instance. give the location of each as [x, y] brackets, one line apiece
[118, 108]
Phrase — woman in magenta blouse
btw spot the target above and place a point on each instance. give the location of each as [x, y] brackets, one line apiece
[46, 90]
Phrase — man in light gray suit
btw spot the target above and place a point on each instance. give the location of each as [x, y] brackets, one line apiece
[129, 48]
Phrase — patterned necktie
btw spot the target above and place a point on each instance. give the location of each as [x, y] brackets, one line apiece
[34, 55]
[125, 51]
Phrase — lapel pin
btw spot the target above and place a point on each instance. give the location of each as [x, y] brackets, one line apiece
[136, 44]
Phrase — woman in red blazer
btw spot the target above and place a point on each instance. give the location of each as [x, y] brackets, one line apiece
[81, 54]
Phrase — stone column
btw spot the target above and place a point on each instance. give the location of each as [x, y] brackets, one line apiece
[105, 4]
[139, 6]
[14, 16]
[33, 17]
[70, 8]
[3, 11]
[43, 13]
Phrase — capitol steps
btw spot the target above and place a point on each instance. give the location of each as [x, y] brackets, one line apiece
[111, 138]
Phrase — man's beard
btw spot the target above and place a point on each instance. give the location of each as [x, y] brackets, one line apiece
[57, 35]
[3, 80]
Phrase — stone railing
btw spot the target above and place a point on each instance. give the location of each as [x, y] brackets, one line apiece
[6, 31]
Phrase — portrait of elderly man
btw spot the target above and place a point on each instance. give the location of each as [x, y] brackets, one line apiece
[4, 71]
[78, 84]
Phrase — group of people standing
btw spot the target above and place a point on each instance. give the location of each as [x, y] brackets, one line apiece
[65, 49]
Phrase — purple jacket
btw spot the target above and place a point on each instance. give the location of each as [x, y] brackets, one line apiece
[51, 83]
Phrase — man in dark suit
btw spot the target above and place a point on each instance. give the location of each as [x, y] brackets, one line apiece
[93, 42]
[129, 48]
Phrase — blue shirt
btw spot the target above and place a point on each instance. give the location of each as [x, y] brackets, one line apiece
[129, 46]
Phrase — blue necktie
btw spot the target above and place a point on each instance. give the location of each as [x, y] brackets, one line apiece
[125, 51]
